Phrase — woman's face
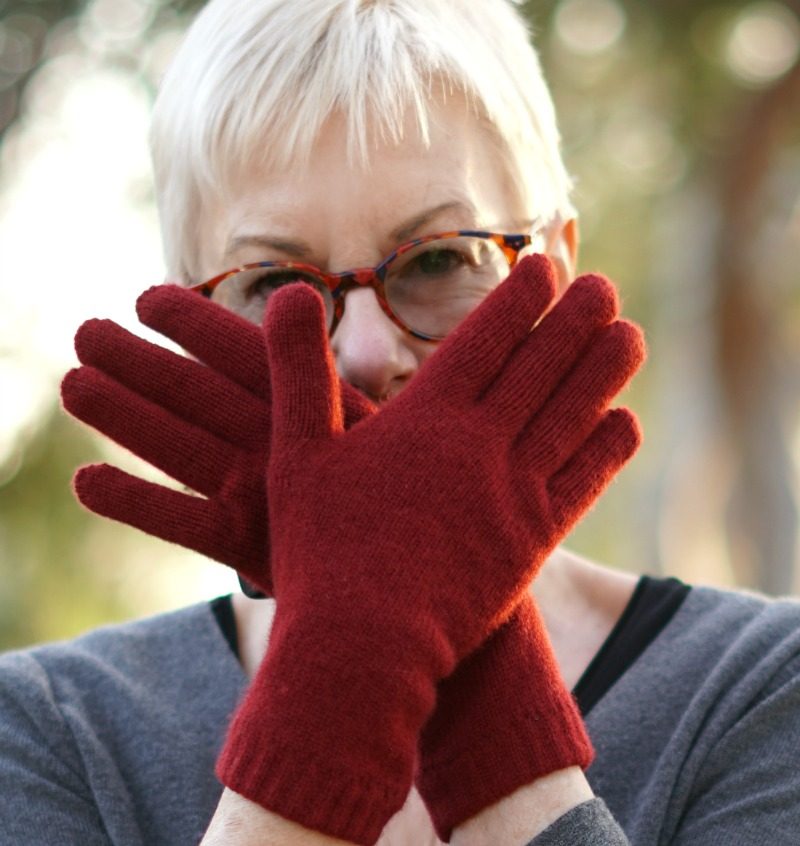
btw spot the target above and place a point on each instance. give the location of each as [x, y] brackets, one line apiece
[337, 217]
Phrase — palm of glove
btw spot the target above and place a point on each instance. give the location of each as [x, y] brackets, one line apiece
[400, 544]
[472, 474]
[446, 490]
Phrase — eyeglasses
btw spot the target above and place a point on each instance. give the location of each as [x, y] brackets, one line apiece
[426, 286]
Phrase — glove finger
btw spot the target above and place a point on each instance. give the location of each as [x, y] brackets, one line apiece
[177, 384]
[574, 409]
[185, 452]
[190, 521]
[469, 359]
[225, 342]
[305, 387]
[577, 485]
[211, 333]
[547, 354]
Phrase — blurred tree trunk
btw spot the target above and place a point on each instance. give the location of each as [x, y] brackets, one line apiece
[755, 375]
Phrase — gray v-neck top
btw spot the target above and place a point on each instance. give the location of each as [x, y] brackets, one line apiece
[111, 738]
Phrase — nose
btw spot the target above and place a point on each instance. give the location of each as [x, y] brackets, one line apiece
[371, 353]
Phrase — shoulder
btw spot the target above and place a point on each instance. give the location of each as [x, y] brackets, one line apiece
[143, 649]
[90, 725]
[703, 714]
[736, 632]
[144, 669]
[739, 654]
[719, 647]
[57, 688]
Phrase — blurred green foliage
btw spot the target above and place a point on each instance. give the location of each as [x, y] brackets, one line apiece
[51, 583]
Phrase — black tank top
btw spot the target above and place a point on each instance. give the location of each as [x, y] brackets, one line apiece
[650, 608]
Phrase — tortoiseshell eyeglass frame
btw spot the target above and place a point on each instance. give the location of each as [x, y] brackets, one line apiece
[373, 277]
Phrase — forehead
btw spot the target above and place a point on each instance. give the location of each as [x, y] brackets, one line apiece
[330, 197]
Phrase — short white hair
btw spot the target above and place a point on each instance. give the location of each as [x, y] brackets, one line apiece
[255, 80]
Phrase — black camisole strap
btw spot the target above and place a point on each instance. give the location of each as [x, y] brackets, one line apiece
[651, 607]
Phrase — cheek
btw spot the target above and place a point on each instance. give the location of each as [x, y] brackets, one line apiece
[421, 350]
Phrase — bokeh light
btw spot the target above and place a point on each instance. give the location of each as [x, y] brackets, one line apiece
[650, 98]
[764, 43]
[644, 145]
[79, 239]
[71, 242]
[116, 24]
[589, 27]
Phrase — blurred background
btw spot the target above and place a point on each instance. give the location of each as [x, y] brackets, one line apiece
[681, 124]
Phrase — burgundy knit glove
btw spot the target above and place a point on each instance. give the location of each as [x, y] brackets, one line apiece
[205, 423]
[399, 545]
[503, 719]
[473, 731]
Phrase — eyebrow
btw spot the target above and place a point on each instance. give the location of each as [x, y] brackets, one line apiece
[298, 249]
[404, 232]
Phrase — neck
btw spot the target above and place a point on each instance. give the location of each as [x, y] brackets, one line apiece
[580, 601]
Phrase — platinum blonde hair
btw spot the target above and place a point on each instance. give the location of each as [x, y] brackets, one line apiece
[255, 80]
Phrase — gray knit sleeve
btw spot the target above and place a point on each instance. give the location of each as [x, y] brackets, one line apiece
[588, 824]
[43, 796]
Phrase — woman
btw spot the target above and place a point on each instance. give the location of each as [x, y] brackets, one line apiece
[400, 512]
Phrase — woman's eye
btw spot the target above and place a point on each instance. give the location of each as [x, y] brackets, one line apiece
[439, 261]
[268, 281]
[273, 280]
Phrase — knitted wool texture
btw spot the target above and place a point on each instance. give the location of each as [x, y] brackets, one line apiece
[400, 545]
[205, 421]
[488, 730]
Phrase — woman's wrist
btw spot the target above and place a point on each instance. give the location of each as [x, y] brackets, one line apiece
[519, 817]
[240, 822]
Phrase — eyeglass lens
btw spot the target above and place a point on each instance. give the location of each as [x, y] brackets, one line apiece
[431, 287]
